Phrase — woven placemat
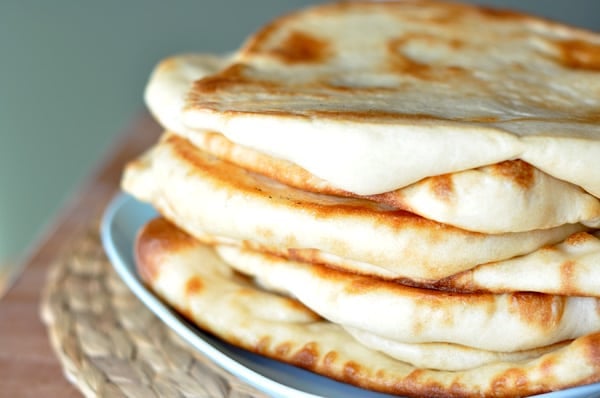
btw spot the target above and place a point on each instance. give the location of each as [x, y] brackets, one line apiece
[111, 345]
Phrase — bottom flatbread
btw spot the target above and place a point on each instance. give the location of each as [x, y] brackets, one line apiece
[194, 280]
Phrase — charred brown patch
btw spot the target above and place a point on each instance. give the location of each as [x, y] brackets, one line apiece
[263, 345]
[303, 255]
[579, 54]
[245, 291]
[592, 355]
[394, 199]
[400, 62]
[194, 285]
[359, 284]
[513, 381]
[300, 48]
[483, 119]
[229, 176]
[548, 365]
[417, 381]
[154, 241]
[329, 360]
[371, 114]
[307, 357]
[579, 238]
[501, 13]
[538, 309]
[351, 372]
[390, 116]
[442, 187]
[231, 76]
[517, 171]
[283, 349]
[567, 276]
[462, 282]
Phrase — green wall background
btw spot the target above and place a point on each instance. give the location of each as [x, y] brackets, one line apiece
[72, 75]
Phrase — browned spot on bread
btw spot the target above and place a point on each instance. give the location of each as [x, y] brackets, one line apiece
[461, 282]
[401, 62]
[194, 285]
[512, 380]
[394, 199]
[231, 76]
[579, 238]
[282, 350]
[155, 239]
[517, 171]
[307, 357]
[442, 187]
[417, 381]
[300, 47]
[362, 115]
[548, 364]
[538, 309]
[351, 372]
[330, 359]
[484, 119]
[245, 291]
[567, 275]
[579, 54]
[592, 354]
[263, 344]
[501, 13]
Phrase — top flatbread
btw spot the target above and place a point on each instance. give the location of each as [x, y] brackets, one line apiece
[510, 196]
[373, 96]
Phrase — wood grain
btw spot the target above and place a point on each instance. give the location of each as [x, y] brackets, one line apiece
[28, 366]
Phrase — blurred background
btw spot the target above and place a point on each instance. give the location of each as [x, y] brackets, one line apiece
[72, 75]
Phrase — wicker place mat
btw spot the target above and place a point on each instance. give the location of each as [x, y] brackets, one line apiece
[111, 345]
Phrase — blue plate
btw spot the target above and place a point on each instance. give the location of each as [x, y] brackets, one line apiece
[123, 218]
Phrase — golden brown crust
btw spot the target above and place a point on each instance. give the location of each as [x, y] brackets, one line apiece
[156, 238]
[515, 171]
[579, 54]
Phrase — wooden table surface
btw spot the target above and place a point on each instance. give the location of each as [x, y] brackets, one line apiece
[28, 366]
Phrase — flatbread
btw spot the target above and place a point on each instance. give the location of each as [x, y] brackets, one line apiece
[445, 356]
[511, 196]
[410, 315]
[570, 268]
[207, 196]
[191, 278]
[172, 79]
[426, 92]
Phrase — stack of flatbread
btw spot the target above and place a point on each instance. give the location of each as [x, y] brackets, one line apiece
[399, 195]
